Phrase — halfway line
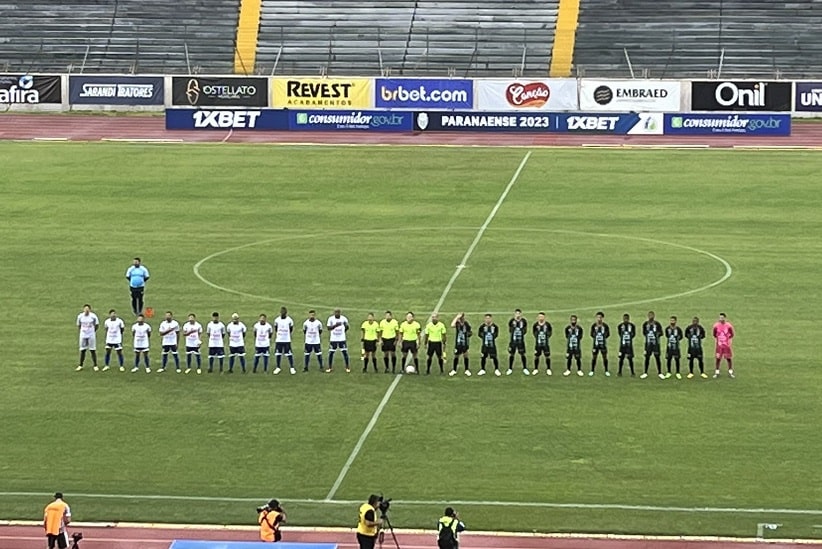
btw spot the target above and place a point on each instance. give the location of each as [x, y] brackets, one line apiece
[445, 292]
[481, 232]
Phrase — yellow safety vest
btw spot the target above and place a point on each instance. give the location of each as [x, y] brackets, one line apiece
[362, 527]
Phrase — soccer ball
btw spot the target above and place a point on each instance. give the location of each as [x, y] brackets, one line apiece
[410, 369]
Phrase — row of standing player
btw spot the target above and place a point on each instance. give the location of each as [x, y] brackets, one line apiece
[388, 333]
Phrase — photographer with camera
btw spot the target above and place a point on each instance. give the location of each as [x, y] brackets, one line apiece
[368, 524]
[448, 529]
[270, 516]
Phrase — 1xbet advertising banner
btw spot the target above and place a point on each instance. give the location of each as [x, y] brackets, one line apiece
[226, 119]
[553, 94]
[116, 90]
[223, 91]
[808, 97]
[26, 89]
[322, 93]
[381, 121]
[630, 95]
[731, 124]
[616, 123]
[427, 93]
[746, 96]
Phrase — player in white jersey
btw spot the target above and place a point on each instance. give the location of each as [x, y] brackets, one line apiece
[193, 330]
[114, 338]
[236, 342]
[142, 335]
[170, 330]
[216, 341]
[313, 329]
[87, 324]
[262, 342]
[337, 326]
[283, 326]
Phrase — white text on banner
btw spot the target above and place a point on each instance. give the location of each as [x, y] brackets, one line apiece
[629, 95]
[551, 94]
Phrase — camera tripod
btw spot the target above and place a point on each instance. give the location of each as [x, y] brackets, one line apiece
[381, 536]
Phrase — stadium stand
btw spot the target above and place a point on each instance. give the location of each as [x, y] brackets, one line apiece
[119, 36]
[458, 37]
[672, 38]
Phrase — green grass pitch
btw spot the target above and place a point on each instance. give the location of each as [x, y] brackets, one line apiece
[373, 228]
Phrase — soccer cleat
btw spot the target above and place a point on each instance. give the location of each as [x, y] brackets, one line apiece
[509, 372]
[716, 375]
[668, 375]
[690, 376]
[199, 371]
[497, 373]
[305, 370]
[566, 373]
[96, 369]
[78, 369]
[607, 374]
[591, 373]
[643, 376]
[161, 370]
[481, 372]
[122, 368]
[292, 371]
[731, 375]
[703, 375]
[106, 368]
[535, 371]
[548, 372]
[329, 370]
[526, 372]
[148, 370]
[178, 370]
[188, 370]
[276, 371]
[135, 370]
[662, 376]
[678, 375]
[579, 373]
[452, 373]
[468, 373]
[348, 370]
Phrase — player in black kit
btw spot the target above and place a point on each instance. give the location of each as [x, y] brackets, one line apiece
[462, 333]
[518, 327]
[600, 332]
[542, 334]
[573, 337]
[673, 335]
[652, 330]
[695, 333]
[627, 333]
[488, 333]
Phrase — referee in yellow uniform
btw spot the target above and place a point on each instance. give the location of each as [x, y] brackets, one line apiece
[368, 525]
[435, 338]
[410, 339]
[370, 335]
[388, 339]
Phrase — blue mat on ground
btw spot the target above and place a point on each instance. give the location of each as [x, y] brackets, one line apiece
[201, 544]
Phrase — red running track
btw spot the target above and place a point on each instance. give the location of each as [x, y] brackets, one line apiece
[122, 537]
[94, 128]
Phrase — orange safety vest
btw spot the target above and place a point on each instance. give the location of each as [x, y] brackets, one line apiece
[269, 522]
[54, 517]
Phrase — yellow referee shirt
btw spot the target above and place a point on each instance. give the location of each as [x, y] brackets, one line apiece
[370, 330]
[389, 328]
[435, 332]
[410, 330]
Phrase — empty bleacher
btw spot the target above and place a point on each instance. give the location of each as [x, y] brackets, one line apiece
[671, 38]
[118, 35]
[402, 37]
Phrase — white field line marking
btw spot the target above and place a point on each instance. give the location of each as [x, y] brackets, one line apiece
[368, 428]
[440, 503]
[481, 232]
[363, 437]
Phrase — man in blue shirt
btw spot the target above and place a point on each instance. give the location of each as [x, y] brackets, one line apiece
[137, 276]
